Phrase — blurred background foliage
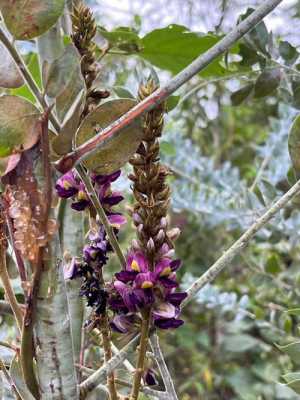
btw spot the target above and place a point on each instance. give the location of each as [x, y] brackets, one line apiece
[226, 141]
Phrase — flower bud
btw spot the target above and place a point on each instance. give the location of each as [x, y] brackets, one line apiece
[174, 233]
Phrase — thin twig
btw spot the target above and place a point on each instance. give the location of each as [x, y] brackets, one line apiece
[141, 355]
[100, 375]
[90, 147]
[162, 366]
[8, 290]
[101, 213]
[240, 244]
[9, 380]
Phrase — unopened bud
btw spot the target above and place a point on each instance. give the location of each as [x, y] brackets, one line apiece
[174, 233]
[135, 244]
[136, 218]
[163, 222]
[160, 236]
[150, 245]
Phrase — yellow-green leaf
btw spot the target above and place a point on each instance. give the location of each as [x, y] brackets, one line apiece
[116, 150]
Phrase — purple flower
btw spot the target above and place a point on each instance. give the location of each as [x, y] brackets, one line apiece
[104, 179]
[171, 323]
[150, 377]
[67, 186]
[123, 323]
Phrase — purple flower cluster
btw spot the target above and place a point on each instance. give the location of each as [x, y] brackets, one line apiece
[138, 286]
[96, 251]
[70, 186]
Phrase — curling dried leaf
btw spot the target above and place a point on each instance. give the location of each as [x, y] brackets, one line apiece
[29, 19]
[10, 76]
[294, 144]
[19, 120]
[115, 151]
[7, 164]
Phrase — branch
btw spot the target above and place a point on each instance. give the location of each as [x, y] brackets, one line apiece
[240, 244]
[27, 76]
[164, 372]
[100, 375]
[9, 380]
[90, 147]
[8, 290]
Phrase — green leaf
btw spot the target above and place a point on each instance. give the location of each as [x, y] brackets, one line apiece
[258, 37]
[27, 20]
[122, 38]
[32, 63]
[294, 144]
[10, 76]
[175, 47]
[116, 150]
[267, 82]
[239, 343]
[66, 81]
[61, 144]
[19, 121]
[273, 265]
[288, 52]
[172, 102]
[62, 71]
[294, 384]
[122, 92]
[294, 311]
[296, 93]
[168, 149]
[240, 95]
[292, 350]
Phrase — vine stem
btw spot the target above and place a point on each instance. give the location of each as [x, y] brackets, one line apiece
[141, 355]
[101, 213]
[88, 148]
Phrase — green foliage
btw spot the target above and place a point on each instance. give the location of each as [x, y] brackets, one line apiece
[19, 125]
[32, 20]
[117, 150]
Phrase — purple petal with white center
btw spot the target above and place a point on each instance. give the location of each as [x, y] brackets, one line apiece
[165, 310]
[126, 276]
[129, 298]
[116, 219]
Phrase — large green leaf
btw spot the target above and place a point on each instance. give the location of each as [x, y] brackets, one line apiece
[123, 38]
[175, 47]
[116, 150]
[292, 350]
[19, 121]
[294, 144]
[29, 19]
[267, 82]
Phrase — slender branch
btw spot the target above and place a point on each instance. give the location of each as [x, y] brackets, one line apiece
[90, 147]
[27, 76]
[101, 213]
[164, 372]
[240, 244]
[100, 375]
[9, 380]
[141, 356]
[8, 290]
